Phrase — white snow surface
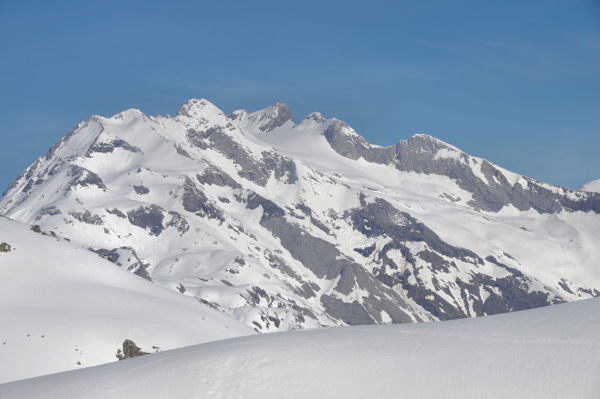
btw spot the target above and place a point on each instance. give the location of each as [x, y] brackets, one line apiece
[551, 352]
[63, 307]
[593, 186]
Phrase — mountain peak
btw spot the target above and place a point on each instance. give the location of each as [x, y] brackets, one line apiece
[197, 107]
[272, 116]
[264, 120]
[238, 114]
[425, 137]
[315, 116]
[432, 141]
[131, 113]
[277, 109]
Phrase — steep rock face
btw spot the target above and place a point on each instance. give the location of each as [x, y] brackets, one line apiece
[265, 120]
[287, 225]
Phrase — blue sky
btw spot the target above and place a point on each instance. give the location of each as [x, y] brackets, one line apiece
[516, 82]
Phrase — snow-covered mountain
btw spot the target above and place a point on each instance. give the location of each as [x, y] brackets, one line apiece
[284, 224]
[552, 352]
[63, 307]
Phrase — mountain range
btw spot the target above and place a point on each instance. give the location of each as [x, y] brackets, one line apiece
[284, 224]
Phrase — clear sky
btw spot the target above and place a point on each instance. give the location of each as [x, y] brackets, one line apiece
[516, 82]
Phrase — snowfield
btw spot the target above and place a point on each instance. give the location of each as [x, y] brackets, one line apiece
[63, 307]
[593, 186]
[550, 352]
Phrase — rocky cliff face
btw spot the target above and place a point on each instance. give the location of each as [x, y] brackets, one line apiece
[289, 225]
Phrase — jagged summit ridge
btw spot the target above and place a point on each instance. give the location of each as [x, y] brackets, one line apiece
[316, 117]
[265, 120]
[198, 106]
[307, 224]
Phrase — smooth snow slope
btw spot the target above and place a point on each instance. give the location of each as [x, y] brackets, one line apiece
[593, 186]
[63, 307]
[551, 352]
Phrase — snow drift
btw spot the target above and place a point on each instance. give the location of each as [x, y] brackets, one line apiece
[551, 352]
[63, 307]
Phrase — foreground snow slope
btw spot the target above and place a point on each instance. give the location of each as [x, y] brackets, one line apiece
[63, 307]
[551, 352]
